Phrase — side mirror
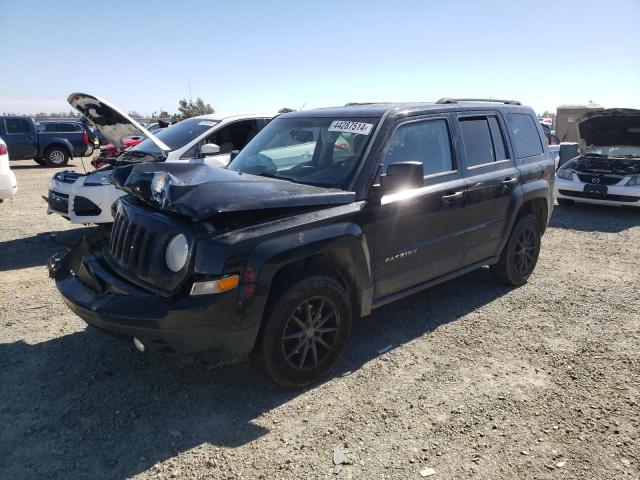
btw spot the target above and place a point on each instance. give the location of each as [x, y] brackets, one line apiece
[402, 175]
[209, 149]
[234, 154]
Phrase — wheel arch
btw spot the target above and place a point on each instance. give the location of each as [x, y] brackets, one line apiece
[59, 142]
[338, 250]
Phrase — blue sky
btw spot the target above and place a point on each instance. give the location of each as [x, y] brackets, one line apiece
[258, 56]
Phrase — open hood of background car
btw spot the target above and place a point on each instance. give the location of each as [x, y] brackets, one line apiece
[200, 191]
[113, 124]
[610, 127]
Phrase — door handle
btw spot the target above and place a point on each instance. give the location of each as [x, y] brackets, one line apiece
[509, 182]
[450, 197]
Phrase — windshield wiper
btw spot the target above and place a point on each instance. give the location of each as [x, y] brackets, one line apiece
[273, 175]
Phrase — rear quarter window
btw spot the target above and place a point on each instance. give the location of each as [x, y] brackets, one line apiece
[524, 135]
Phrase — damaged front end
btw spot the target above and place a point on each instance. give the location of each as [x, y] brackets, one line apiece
[182, 325]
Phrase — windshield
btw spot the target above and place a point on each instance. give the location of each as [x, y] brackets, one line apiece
[176, 136]
[314, 151]
[615, 151]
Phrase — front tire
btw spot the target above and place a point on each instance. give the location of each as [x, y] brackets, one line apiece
[56, 156]
[306, 330]
[520, 255]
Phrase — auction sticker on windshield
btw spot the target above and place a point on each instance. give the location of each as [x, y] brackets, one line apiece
[346, 126]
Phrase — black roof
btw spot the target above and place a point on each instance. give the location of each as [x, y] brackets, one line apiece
[404, 108]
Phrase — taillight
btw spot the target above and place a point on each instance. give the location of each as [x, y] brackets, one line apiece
[85, 138]
[3, 150]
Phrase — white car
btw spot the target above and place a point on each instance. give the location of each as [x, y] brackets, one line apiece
[607, 171]
[212, 139]
[8, 184]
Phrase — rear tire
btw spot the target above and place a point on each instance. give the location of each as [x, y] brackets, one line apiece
[305, 331]
[56, 156]
[520, 255]
[565, 202]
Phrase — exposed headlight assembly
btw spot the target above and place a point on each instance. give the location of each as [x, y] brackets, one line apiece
[177, 253]
[565, 173]
[96, 180]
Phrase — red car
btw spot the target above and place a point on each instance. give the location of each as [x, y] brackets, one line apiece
[110, 151]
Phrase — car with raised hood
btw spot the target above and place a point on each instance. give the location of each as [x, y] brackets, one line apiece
[607, 169]
[87, 198]
[325, 215]
[8, 184]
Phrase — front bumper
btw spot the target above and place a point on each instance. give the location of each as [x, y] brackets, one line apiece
[183, 326]
[85, 204]
[617, 195]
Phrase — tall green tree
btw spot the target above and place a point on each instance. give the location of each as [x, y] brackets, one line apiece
[191, 109]
[286, 110]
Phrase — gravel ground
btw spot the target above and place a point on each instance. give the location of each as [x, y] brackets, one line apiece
[479, 381]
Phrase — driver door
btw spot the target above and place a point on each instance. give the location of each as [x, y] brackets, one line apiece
[419, 232]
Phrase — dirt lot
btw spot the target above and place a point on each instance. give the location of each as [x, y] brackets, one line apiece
[481, 381]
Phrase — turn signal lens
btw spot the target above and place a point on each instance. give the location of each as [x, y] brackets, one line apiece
[215, 286]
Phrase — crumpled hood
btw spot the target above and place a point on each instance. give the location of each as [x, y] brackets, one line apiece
[200, 191]
[113, 124]
[610, 127]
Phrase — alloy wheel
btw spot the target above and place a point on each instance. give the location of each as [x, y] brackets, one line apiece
[524, 253]
[310, 333]
[56, 157]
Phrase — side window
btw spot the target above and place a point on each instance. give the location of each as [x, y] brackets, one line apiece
[234, 136]
[498, 139]
[17, 125]
[68, 127]
[478, 141]
[50, 127]
[427, 142]
[525, 136]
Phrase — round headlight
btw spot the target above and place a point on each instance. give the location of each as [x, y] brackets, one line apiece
[177, 253]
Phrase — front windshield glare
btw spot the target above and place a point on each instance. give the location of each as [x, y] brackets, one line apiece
[178, 135]
[315, 151]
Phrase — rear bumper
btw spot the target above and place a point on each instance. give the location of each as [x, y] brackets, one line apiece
[8, 185]
[183, 326]
[617, 195]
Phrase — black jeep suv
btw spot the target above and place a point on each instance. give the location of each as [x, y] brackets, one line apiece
[325, 215]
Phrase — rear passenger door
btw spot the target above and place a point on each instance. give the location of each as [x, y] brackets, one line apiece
[419, 232]
[492, 183]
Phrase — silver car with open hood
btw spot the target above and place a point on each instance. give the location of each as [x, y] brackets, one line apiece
[607, 171]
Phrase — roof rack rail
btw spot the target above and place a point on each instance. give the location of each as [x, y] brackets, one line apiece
[492, 100]
[355, 104]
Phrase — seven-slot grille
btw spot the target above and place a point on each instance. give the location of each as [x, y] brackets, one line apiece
[131, 244]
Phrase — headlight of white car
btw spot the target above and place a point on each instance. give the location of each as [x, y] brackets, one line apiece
[633, 181]
[177, 253]
[565, 173]
[98, 179]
